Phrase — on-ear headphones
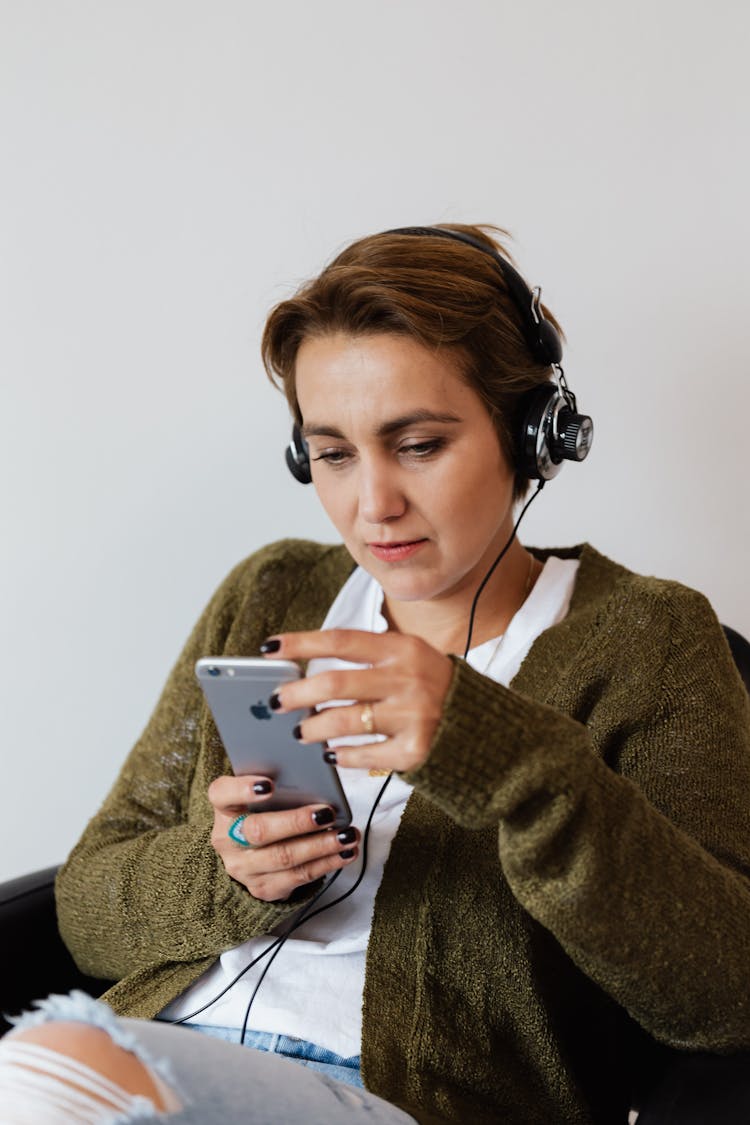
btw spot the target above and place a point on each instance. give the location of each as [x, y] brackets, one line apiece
[298, 457]
[552, 430]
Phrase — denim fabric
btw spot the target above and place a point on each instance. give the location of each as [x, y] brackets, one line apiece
[299, 1050]
[216, 1081]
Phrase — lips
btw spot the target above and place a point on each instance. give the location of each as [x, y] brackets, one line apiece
[395, 552]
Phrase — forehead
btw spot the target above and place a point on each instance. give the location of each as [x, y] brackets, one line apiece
[378, 374]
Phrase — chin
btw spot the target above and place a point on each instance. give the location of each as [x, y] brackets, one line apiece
[405, 587]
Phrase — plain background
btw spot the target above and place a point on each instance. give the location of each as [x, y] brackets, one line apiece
[170, 169]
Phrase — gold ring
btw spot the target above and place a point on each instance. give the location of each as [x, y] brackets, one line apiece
[368, 719]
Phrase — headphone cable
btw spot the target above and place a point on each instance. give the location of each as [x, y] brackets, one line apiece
[275, 948]
[496, 563]
[306, 915]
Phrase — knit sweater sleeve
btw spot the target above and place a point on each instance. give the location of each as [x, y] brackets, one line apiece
[623, 811]
[144, 886]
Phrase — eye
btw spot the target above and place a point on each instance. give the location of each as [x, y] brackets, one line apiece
[332, 456]
[422, 449]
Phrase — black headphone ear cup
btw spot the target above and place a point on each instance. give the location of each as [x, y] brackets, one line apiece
[538, 459]
[549, 348]
[298, 457]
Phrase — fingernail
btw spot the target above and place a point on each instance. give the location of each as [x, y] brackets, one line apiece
[273, 644]
[274, 701]
[330, 757]
[297, 732]
[261, 787]
[347, 836]
[347, 854]
[323, 816]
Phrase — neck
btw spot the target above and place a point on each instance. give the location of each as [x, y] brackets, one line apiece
[444, 622]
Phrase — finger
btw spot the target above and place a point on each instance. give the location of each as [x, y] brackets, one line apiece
[390, 754]
[229, 793]
[273, 872]
[260, 830]
[366, 684]
[302, 851]
[277, 886]
[345, 722]
[359, 646]
[263, 828]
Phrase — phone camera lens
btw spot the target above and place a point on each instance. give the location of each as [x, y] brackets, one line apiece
[214, 671]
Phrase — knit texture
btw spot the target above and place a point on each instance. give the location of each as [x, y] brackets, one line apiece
[567, 888]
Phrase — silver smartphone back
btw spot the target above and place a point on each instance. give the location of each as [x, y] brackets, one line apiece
[260, 741]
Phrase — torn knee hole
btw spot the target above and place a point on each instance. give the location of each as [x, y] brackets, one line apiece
[80, 1066]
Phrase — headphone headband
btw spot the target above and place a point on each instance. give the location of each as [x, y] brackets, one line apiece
[541, 336]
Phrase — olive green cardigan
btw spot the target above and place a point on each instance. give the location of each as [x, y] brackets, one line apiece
[568, 883]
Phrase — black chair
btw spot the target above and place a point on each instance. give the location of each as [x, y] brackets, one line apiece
[36, 962]
[741, 653]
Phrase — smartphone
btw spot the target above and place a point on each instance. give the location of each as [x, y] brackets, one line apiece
[259, 740]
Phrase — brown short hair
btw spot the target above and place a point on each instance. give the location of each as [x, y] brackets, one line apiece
[443, 293]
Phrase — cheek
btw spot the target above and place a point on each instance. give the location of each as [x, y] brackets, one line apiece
[475, 493]
[472, 516]
[334, 497]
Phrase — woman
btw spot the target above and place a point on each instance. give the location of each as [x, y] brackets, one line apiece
[555, 881]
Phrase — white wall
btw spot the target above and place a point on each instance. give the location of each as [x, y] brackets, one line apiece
[170, 168]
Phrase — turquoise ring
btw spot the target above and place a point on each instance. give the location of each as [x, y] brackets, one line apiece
[235, 833]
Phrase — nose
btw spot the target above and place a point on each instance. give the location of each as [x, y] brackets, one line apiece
[381, 497]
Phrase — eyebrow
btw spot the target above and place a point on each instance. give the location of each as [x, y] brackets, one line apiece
[385, 429]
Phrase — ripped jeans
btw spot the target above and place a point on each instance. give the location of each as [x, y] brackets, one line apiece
[196, 1078]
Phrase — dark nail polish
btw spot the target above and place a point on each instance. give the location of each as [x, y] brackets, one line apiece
[322, 816]
[274, 701]
[297, 732]
[261, 787]
[347, 854]
[273, 644]
[330, 757]
[347, 836]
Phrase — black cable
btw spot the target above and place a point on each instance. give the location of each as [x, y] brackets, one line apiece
[305, 917]
[277, 945]
[264, 953]
[496, 563]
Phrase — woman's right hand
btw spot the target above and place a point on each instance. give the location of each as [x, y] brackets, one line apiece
[288, 848]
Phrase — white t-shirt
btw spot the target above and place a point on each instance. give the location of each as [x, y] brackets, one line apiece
[314, 988]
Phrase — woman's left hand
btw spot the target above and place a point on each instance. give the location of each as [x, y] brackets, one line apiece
[400, 695]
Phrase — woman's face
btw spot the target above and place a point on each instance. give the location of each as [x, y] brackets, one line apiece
[406, 462]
